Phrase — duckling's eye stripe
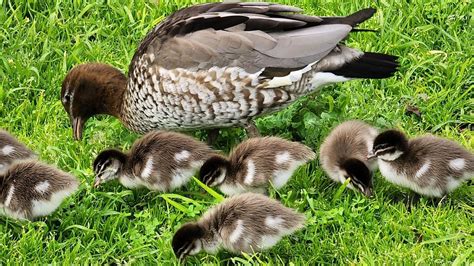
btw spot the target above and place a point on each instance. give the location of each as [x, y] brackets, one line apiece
[383, 150]
[103, 166]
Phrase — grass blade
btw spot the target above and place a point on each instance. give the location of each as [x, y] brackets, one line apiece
[175, 204]
[209, 190]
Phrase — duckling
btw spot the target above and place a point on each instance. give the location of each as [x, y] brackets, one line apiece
[343, 155]
[30, 189]
[247, 222]
[254, 163]
[11, 150]
[429, 165]
[221, 65]
[160, 161]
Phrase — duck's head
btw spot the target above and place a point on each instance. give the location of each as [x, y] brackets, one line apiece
[91, 89]
[187, 240]
[389, 145]
[213, 171]
[360, 175]
[107, 165]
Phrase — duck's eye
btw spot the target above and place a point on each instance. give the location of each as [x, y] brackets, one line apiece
[67, 98]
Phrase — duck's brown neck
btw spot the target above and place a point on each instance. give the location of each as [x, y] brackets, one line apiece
[113, 96]
[107, 88]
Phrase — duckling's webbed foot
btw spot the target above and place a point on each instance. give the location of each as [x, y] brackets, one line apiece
[252, 130]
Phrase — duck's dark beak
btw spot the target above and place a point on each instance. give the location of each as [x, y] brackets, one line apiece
[77, 127]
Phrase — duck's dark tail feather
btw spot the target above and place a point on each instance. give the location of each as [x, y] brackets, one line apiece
[369, 65]
[353, 20]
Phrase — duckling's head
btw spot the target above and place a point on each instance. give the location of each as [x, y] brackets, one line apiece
[107, 165]
[360, 175]
[389, 145]
[91, 89]
[214, 170]
[187, 240]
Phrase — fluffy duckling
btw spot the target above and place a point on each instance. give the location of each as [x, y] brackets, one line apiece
[429, 165]
[29, 189]
[159, 161]
[254, 163]
[343, 155]
[11, 150]
[243, 223]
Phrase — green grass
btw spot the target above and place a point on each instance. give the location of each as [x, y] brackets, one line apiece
[41, 40]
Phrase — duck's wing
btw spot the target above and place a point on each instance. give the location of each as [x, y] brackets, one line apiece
[253, 36]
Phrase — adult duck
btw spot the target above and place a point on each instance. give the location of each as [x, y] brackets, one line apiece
[220, 65]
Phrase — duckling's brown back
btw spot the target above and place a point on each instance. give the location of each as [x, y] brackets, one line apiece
[439, 159]
[11, 149]
[170, 150]
[27, 182]
[247, 221]
[268, 154]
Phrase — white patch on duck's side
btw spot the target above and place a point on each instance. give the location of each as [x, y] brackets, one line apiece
[281, 177]
[249, 177]
[46, 207]
[211, 246]
[268, 96]
[19, 215]
[232, 189]
[323, 78]
[8, 149]
[148, 169]
[181, 177]
[182, 155]
[197, 248]
[273, 222]
[399, 178]
[130, 182]
[287, 80]
[42, 187]
[9, 196]
[390, 156]
[283, 157]
[452, 184]
[468, 175]
[237, 233]
[269, 241]
[392, 175]
[423, 169]
[457, 164]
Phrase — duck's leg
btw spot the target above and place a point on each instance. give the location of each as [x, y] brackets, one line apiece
[252, 130]
[212, 135]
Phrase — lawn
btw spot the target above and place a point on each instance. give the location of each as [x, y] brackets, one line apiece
[41, 40]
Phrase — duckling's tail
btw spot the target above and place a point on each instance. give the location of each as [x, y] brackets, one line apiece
[369, 65]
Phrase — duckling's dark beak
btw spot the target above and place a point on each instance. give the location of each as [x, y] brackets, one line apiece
[77, 127]
[97, 182]
[368, 192]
